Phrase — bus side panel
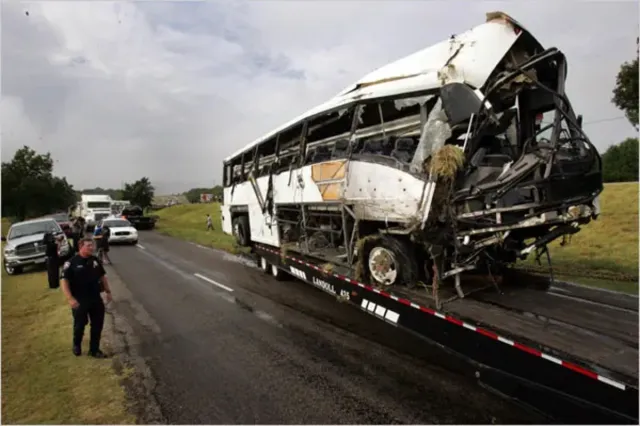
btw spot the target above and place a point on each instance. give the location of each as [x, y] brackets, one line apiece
[300, 189]
[389, 193]
[225, 214]
[263, 230]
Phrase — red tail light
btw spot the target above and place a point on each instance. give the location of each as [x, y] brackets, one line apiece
[539, 118]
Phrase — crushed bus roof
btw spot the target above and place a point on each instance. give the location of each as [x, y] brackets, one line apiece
[469, 57]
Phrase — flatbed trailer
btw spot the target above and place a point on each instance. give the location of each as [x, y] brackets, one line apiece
[569, 352]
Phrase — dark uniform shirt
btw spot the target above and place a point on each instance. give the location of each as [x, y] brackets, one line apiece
[106, 234]
[84, 274]
[51, 246]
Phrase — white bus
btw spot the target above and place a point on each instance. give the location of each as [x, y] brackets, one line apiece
[93, 208]
[430, 166]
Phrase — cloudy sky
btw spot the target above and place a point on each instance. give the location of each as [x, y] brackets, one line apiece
[166, 90]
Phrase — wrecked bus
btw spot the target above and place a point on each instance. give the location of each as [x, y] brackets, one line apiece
[429, 167]
[411, 193]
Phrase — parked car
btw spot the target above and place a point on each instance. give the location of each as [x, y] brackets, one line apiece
[64, 221]
[136, 216]
[25, 246]
[122, 231]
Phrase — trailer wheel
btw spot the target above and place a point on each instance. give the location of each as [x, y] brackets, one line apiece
[389, 261]
[241, 230]
[264, 265]
[278, 274]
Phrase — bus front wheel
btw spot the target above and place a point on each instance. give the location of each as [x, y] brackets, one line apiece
[241, 230]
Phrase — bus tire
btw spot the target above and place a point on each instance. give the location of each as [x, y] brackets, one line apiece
[241, 230]
[389, 261]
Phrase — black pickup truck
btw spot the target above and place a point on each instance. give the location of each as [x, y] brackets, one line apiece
[135, 215]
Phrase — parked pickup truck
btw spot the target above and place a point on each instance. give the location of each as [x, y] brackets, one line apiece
[135, 215]
[24, 244]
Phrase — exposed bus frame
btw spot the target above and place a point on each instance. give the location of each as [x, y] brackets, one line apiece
[552, 380]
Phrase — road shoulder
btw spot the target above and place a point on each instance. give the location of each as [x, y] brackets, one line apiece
[138, 380]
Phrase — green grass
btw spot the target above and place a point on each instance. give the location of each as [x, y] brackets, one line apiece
[189, 222]
[603, 254]
[606, 250]
[42, 382]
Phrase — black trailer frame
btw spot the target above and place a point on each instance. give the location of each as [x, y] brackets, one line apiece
[566, 391]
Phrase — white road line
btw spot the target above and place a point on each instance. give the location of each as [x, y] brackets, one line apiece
[140, 247]
[210, 281]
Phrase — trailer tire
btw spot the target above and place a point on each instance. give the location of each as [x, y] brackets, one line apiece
[241, 230]
[264, 265]
[397, 264]
[278, 273]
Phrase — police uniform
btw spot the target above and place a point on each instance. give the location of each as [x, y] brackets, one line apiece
[53, 262]
[84, 276]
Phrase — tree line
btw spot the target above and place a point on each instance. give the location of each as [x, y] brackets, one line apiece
[193, 195]
[30, 189]
[620, 161]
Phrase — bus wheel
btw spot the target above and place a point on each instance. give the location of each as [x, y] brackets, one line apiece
[241, 230]
[264, 265]
[390, 261]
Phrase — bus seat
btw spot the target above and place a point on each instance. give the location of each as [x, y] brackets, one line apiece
[340, 148]
[373, 146]
[404, 149]
[323, 153]
[309, 157]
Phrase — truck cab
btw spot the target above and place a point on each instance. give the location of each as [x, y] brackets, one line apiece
[93, 208]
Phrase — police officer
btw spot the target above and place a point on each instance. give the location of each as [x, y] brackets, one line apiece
[77, 228]
[53, 261]
[83, 279]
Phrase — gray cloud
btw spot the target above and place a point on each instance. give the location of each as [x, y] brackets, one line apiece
[168, 89]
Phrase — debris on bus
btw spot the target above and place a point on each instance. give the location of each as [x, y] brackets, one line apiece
[432, 167]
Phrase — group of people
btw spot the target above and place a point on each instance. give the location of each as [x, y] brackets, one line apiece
[55, 259]
[83, 280]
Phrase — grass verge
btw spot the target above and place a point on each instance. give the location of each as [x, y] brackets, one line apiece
[603, 254]
[189, 222]
[42, 382]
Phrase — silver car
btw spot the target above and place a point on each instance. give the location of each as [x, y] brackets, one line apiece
[25, 246]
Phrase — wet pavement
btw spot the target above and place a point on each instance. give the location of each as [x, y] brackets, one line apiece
[226, 343]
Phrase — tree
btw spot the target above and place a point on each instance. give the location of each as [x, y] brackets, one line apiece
[620, 162]
[625, 92]
[139, 193]
[29, 188]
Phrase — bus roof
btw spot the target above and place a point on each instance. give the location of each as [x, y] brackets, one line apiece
[469, 57]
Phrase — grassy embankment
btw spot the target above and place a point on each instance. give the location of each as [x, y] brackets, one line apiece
[42, 382]
[189, 222]
[603, 254]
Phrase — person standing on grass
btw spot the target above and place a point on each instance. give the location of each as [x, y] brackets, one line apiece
[209, 223]
[83, 279]
[51, 246]
[77, 229]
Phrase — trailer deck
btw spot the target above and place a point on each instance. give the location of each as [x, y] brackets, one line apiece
[567, 351]
[598, 335]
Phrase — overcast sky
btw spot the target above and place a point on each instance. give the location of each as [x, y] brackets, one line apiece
[167, 90]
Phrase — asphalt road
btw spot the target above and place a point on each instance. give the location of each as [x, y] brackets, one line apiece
[227, 344]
